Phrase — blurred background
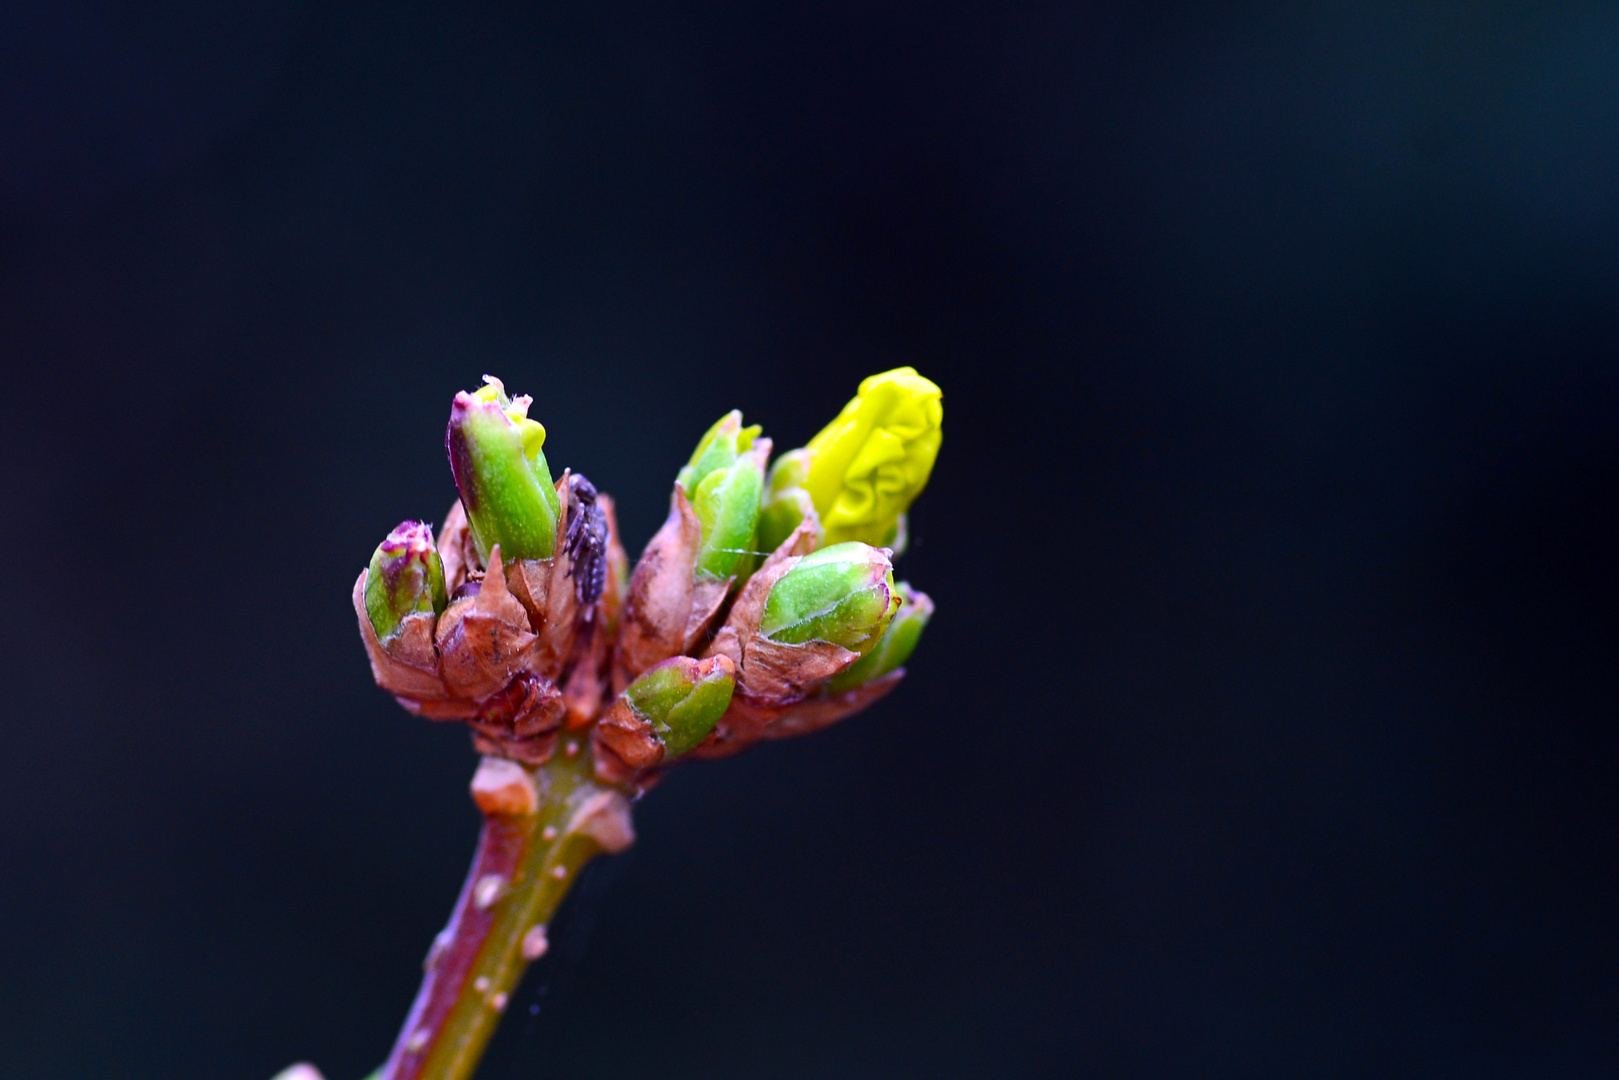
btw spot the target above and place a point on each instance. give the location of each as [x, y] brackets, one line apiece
[1268, 724]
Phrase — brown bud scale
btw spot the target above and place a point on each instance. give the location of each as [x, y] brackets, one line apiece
[530, 648]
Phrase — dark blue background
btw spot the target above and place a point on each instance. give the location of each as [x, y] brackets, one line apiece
[1268, 724]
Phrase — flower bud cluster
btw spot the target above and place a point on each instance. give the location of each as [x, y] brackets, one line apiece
[506, 624]
[764, 607]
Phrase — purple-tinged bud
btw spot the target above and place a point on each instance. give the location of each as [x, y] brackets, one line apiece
[505, 483]
[405, 578]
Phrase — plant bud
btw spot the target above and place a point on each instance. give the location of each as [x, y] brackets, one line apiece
[664, 713]
[682, 699]
[405, 578]
[786, 503]
[704, 549]
[843, 594]
[719, 448]
[896, 646]
[864, 469]
[724, 482]
[870, 463]
[505, 484]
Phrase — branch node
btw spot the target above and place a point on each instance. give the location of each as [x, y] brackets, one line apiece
[535, 943]
[605, 818]
[504, 788]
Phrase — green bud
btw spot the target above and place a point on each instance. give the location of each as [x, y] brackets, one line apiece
[896, 646]
[780, 515]
[724, 482]
[786, 503]
[844, 594]
[505, 484]
[719, 448]
[683, 699]
[405, 577]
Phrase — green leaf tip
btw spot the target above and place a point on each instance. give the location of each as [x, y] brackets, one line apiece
[725, 482]
[898, 642]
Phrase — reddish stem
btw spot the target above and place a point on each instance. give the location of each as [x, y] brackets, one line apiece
[455, 950]
[540, 828]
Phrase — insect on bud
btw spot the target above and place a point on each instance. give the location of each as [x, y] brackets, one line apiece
[843, 594]
[501, 472]
[751, 614]
[405, 578]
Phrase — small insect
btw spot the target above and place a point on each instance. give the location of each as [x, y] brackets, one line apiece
[586, 541]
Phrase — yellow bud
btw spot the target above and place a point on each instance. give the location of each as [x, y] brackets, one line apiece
[868, 464]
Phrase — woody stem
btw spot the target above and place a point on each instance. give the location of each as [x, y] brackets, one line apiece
[527, 858]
